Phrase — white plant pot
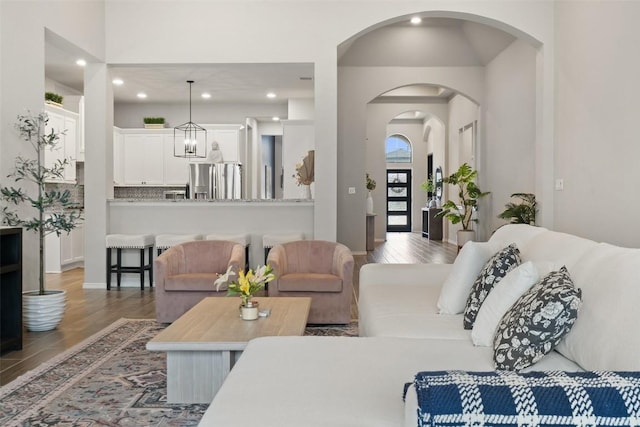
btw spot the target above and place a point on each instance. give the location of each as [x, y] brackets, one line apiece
[464, 236]
[43, 312]
[369, 204]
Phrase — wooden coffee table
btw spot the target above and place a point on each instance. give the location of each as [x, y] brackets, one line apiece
[203, 345]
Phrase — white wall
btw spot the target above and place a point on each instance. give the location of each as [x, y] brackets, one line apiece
[300, 109]
[508, 156]
[130, 115]
[22, 78]
[131, 32]
[597, 144]
[462, 112]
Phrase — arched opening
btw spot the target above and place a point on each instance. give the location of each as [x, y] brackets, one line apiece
[490, 86]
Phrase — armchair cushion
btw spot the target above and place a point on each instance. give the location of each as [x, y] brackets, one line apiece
[193, 282]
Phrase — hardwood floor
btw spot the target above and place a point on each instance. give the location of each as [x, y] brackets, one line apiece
[91, 310]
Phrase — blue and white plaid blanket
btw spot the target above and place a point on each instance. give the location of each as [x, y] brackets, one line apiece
[506, 398]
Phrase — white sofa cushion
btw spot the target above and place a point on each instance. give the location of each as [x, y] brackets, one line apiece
[336, 381]
[514, 233]
[606, 334]
[495, 269]
[399, 301]
[561, 248]
[466, 267]
[499, 300]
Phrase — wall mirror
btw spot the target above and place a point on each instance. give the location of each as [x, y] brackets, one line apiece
[438, 182]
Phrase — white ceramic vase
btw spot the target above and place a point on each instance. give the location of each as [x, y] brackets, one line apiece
[305, 192]
[369, 204]
[249, 311]
[43, 312]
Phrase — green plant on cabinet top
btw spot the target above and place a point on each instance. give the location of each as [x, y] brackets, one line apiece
[53, 97]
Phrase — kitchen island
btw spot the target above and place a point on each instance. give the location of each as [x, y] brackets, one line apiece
[205, 216]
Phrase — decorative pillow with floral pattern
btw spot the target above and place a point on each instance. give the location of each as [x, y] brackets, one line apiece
[493, 271]
[537, 322]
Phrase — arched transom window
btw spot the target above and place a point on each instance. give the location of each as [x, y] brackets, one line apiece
[398, 149]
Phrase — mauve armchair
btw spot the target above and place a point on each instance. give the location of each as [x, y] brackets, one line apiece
[184, 274]
[318, 269]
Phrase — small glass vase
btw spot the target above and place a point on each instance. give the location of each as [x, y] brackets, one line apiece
[249, 310]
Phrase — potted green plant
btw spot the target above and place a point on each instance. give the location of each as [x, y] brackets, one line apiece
[468, 194]
[53, 98]
[56, 212]
[523, 212]
[153, 122]
[429, 186]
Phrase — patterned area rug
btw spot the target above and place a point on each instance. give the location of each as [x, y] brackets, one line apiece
[110, 379]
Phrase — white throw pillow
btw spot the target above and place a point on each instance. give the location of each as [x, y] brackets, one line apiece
[455, 289]
[503, 295]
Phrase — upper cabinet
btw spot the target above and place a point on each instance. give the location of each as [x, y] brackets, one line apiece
[61, 120]
[143, 159]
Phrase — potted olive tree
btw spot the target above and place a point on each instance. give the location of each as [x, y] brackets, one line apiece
[468, 194]
[55, 212]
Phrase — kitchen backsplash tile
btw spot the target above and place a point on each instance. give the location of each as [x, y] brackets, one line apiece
[142, 192]
[77, 191]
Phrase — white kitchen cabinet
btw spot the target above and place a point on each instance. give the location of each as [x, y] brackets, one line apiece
[146, 157]
[176, 171]
[62, 120]
[80, 136]
[65, 251]
[143, 159]
[118, 177]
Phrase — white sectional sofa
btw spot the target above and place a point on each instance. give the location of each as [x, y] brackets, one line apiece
[339, 381]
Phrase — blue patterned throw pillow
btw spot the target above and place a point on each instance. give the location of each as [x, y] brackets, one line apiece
[493, 271]
[537, 322]
[534, 399]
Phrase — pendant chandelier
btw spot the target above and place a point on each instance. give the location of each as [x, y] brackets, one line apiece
[189, 139]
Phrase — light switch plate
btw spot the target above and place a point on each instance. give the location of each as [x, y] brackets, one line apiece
[559, 184]
[352, 190]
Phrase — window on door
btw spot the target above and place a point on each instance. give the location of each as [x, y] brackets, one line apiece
[398, 200]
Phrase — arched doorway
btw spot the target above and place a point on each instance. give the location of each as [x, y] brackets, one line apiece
[468, 84]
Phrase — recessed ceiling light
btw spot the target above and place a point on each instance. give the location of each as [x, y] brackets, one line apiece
[276, 119]
[117, 82]
[416, 20]
[81, 62]
[141, 95]
[206, 95]
[271, 95]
